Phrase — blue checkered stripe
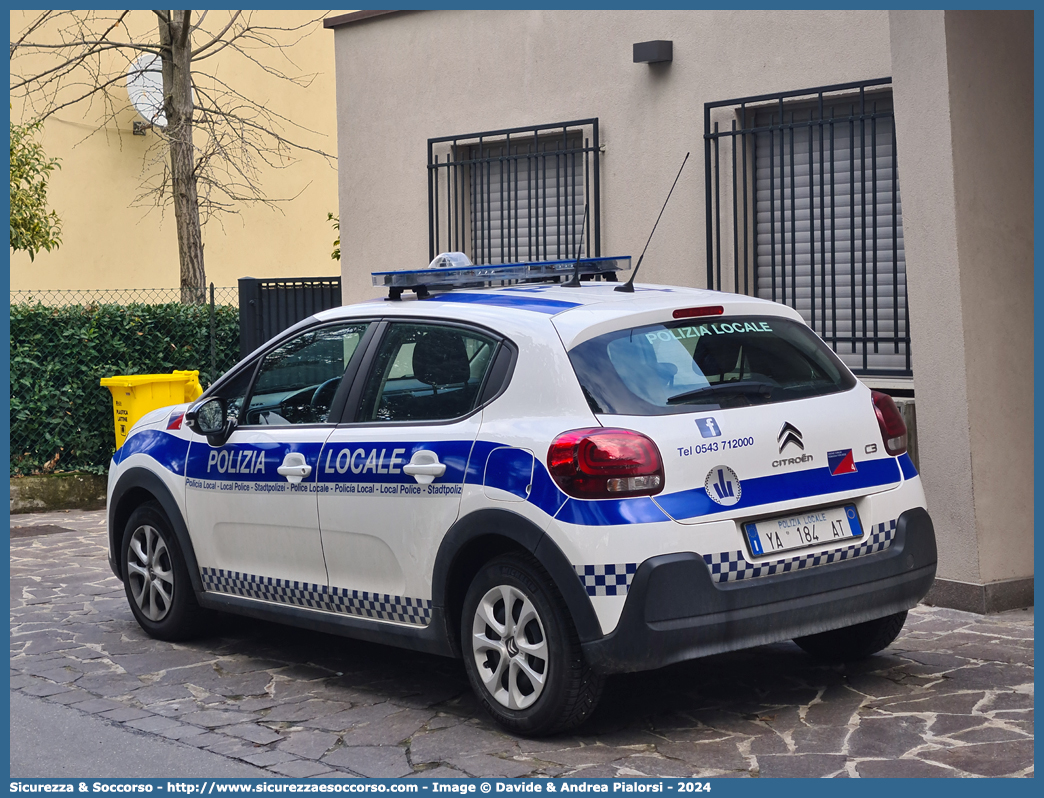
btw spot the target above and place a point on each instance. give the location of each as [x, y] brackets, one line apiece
[607, 580]
[379, 606]
[732, 566]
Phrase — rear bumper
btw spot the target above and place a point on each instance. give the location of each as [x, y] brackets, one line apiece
[675, 611]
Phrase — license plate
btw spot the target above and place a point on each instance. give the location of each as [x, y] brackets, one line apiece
[813, 528]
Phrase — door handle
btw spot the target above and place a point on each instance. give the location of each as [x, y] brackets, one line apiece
[424, 467]
[294, 467]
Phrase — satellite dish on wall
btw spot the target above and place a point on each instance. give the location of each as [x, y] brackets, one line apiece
[145, 88]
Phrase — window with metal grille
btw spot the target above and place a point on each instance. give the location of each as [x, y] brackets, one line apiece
[809, 184]
[508, 196]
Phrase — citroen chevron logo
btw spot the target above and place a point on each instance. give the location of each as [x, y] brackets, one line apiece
[789, 434]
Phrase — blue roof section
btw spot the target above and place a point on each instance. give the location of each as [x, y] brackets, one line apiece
[503, 300]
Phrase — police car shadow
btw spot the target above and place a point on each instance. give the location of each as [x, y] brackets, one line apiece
[737, 691]
[342, 667]
[743, 691]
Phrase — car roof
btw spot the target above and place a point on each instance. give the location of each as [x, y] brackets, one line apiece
[576, 313]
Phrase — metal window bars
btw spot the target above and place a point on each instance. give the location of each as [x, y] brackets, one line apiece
[808, 180]
[516, 194]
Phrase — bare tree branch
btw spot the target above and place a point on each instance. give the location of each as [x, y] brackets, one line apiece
[95, 89]
[248, 123]
[218, 37]
[29, 31]
[116, 24]
[237, 137]
[185, 28]
[41, 79]
[95, 45]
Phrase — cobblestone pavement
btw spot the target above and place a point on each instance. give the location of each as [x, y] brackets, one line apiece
[952, 697]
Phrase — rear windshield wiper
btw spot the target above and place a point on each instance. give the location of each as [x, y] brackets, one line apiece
[743, 387]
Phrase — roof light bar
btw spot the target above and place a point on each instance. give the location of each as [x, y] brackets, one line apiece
[421, 281]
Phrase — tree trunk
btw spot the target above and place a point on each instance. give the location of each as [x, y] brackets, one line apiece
[176, 42]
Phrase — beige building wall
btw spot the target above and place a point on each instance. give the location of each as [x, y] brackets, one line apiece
[968, 219]
[966, 191]
[107, 243]
[404, 78]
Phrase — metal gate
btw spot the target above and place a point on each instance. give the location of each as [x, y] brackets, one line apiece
[269, 306]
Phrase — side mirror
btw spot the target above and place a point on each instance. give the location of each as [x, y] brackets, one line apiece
[210, 419]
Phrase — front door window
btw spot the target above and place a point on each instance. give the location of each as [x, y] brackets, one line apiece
[298, 380]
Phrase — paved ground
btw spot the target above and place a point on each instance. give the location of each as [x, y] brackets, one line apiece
[49, 740]
[952, 697]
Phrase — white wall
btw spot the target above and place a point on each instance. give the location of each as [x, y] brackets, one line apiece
[406, 77]
[963, 86]
[963, 107]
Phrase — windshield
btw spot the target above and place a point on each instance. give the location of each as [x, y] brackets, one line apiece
[681, 366]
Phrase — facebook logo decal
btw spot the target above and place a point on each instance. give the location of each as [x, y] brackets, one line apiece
[708, 427]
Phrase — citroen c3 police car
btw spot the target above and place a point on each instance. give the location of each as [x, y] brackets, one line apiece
[553, 481]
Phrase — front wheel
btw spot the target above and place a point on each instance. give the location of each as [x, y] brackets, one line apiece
[155, 578]
[522, 652]
[854, 642]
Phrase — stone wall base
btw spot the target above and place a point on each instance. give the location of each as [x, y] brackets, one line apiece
[1010, 594]
[58, 492]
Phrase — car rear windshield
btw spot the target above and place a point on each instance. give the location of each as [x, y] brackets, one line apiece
[681, 366]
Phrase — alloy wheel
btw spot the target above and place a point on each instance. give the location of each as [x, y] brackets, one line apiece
[150, 573]
[510, 647]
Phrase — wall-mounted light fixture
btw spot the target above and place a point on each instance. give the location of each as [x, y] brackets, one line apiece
[653, 52]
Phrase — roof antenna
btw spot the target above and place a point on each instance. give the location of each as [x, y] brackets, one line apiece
[628, 287]
[575, 282]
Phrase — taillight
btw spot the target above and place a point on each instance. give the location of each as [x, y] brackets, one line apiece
[605, 463]
[890, 420]
[174, 421]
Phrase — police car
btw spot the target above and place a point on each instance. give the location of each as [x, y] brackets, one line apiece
[553, 480]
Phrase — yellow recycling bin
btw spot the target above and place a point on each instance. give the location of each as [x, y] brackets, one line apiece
[134, 395]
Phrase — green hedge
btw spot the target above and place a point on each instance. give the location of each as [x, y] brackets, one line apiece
[58, 355]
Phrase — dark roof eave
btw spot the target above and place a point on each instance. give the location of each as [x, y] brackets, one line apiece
[355, 16]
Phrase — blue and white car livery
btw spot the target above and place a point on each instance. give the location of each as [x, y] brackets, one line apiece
[553, 482]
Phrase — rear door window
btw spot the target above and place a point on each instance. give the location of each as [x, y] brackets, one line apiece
[682, 366]
[426, 372]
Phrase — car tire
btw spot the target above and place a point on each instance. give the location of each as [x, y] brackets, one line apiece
[522, 652]
[854, 642]
[156, 579]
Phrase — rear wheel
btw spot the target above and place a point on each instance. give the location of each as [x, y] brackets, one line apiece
[854, 642]
[522, 652]
[155, 578]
